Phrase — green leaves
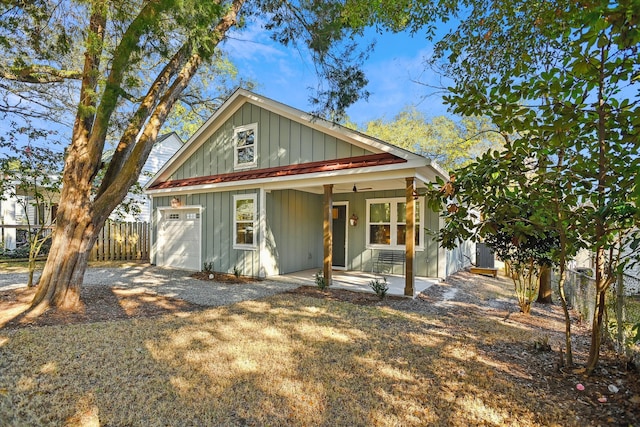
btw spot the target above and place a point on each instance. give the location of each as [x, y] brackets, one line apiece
[451, 143]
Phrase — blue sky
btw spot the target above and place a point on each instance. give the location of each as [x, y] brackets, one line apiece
[285, 75]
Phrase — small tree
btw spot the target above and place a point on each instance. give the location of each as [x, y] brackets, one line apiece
[31, 175]
[527, 257]
[509, 222]
[524, 216]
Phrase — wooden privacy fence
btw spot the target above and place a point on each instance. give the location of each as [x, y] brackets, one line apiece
[122, 241]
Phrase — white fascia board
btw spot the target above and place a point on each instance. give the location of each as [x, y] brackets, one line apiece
[438, 169]
[429, 174]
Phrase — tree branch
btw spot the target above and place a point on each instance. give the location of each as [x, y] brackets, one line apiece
[147, 18]
[40, 74]
[129, 159]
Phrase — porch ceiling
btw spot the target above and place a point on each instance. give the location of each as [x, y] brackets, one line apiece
[362, 183]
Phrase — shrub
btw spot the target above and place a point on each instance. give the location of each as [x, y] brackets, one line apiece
[208, 267]
[236, 271]
[321, 282]
[380, 287]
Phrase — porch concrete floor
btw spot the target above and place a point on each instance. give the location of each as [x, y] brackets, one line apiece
[358, 281]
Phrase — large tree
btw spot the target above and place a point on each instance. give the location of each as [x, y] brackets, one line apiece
[104, 48]
[561, 79]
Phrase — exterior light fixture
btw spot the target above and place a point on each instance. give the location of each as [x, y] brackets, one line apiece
[353, 220]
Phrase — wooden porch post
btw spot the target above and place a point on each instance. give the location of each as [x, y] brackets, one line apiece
[410, 237]
[328, 233]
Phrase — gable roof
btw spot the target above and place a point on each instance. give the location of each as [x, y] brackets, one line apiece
[241, 97]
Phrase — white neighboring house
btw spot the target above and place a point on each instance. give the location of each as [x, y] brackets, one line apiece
[166, 146]
[14, 218]
[13, 215]
[585, 260]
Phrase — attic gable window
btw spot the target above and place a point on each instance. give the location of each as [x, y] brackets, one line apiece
[245, 143]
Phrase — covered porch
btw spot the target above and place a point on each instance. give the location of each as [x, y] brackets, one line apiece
[359, 281]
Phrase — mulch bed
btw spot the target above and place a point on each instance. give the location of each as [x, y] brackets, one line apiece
[332, 294]
[99, 304]
[222, 277]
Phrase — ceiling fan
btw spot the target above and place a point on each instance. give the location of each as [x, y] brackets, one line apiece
[355, 189]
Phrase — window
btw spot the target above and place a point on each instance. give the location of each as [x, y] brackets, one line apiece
[174, 216]
[245, 140]
[244, 221]
[192, 215]
[387, 226]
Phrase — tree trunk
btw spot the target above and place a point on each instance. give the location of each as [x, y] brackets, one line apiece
[59, 285]
[620, 316]
[75, 233]
[544, 290]
[596, 332]
[32, 267]
[567, 317]
[602, 283]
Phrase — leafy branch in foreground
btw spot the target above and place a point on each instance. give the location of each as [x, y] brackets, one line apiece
[557, 78]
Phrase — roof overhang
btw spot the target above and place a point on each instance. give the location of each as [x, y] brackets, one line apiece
[370, 173]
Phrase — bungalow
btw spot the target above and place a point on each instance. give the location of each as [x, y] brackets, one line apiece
[266, 189]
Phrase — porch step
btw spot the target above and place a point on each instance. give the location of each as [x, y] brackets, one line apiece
[485, 271]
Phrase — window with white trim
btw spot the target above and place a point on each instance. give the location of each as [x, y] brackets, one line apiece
[245, 144]
[245, 214]
[387, 223]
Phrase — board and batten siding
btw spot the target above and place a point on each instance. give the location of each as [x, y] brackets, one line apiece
[217, 231]
[361, 258]
[281, 142]
[294, 230]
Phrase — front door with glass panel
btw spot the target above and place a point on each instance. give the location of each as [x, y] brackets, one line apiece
[339, 253]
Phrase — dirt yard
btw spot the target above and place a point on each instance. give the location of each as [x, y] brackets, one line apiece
[464, 306]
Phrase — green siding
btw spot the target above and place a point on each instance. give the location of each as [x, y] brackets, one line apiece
[281, 142]
[294, 230]
[360, 258]
[217, 229]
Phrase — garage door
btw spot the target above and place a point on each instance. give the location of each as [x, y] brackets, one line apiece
[179, 239]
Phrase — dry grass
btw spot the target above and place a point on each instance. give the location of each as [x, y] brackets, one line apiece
[289, 360]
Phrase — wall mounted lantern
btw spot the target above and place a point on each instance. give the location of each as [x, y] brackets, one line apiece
[353, 220]
[175, 202]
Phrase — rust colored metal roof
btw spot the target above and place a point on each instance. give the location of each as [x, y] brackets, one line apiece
[299, 169]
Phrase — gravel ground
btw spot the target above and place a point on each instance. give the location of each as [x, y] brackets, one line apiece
[168, 282]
